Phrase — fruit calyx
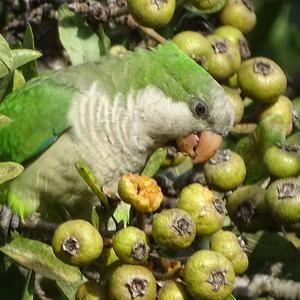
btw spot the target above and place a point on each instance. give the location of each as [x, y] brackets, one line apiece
[71, 245]
[262, 67]
[245, 211]
[137, 287]
[140, 250]
[182, 225]
[220, 46]
[220, 156]
[287, 190]
[289, 147]
[217, 279]
[159, 3]
[219, 206]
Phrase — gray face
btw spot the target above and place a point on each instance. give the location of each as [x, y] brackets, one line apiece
[218, 114]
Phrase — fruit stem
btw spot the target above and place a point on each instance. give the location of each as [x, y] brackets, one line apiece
[140, 220]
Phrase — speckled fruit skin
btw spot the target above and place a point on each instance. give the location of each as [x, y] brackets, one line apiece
[165, 234]
[91, 290]
[249, 195]
[198, 201]
[90, 241]
[286, 209]
[237, 14]
[150, 13]
[227, 244]
[124, 275]
[259, 87]
[173, 291]
[222, 65]
[281, 163]
[283, 106]
[124, 242]
[226, 175]
[198, 273]
[237, 102]
[192, 43]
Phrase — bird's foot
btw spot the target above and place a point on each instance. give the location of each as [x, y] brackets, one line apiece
[8, 222]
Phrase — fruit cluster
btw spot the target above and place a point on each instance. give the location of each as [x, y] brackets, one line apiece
[166, 248]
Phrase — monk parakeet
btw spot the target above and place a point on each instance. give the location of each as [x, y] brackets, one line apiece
[112, 114]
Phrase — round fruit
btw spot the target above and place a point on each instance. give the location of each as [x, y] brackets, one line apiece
[283, 107]
[232, 247]
[129, 282]
[283, 160]
[283, 199]
[140, 191]
[207, 211]
[77, 242]
[173, 291]
[208, 5]
[194, 44]
[173, 228]
[209, 275]
[131, 245]
[235, 36]
[239, 14]
[237, 102]
[247, 208]
[152, 13]
[223, 59]
[91, 290]
[117, 50]
[225, 171]
[261, 79]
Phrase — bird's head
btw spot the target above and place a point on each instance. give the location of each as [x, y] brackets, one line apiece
[185, 97]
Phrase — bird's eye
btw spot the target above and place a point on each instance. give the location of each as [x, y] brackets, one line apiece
[201, 109]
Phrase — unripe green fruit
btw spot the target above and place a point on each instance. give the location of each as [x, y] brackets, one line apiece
[129, 282]
[194, 44]
[207, 211]
[209, 275]
[228, 244]
[131, 245]
[150, 13]
[232, 81]
[283, 160]
[208, 5]
[173, 291]
[239, 14]
[225, 171]
[261, 79]
[247, 208]
[77, 242]
[283, 107]
[223, 59]
[283, 199]
[91, 290]
[173, 228]
[237, 103]
[235, 36]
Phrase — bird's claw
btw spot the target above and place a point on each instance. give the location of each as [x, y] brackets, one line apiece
[8, 222]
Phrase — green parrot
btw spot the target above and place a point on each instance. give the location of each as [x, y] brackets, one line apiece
[112, 114]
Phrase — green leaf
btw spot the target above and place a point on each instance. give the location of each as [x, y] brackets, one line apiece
[18, 80]
[29, 70]
[24, 56]
[39, 257]
[6, 84]
[155, 162]
[80, 41]
[69, 289]
[9, 170]
[28, 292]
[5, 55]
[88, 176]
[105, 42]
[230, 297]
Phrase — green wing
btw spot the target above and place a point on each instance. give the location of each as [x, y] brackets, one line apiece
[39, 115]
